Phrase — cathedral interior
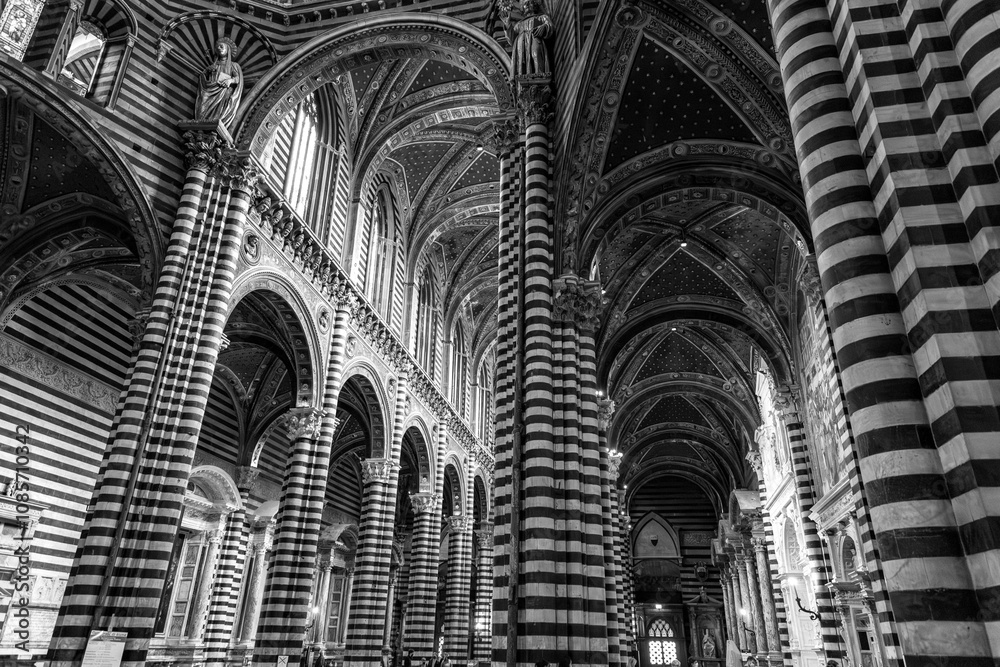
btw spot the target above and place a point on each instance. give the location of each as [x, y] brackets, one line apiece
[617, 333]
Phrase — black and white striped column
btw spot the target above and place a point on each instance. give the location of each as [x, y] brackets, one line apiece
[118, 574]
[365, 627]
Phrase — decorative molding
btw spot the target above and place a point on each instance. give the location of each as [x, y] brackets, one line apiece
[605, 411]
[534, 103]
[56, 375]
[246, 478]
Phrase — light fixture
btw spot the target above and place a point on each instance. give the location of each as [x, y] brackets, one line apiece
[659, 606]
[480, 147]
[683, 240]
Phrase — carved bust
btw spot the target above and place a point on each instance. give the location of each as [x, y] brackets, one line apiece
[220, 86]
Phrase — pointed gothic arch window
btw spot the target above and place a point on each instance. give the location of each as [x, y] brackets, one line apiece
[459, 368]
[379, 272]
[427, 319]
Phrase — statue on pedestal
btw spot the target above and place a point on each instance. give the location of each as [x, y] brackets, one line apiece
[707, 644]
[528, 35]
[220, 86]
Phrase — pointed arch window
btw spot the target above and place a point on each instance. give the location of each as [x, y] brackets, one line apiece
[382, 253]
[662, 643]
[85, 55]
[426, 322]
[459, 368]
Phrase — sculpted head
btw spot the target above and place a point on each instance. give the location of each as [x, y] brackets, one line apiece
[531, 7]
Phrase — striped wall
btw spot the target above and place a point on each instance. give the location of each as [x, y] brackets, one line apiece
[64, 356]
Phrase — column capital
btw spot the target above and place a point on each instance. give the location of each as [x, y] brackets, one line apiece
[504, 135]
[302, 422]
[205, 144]
[459, 523]
[241, 171]
[484, 536]
[605, 411]
[534, 99]
[377, 470]
[246, 477]
[424, 503]
[759, 544]
[756, 462]
[614, 465]
[578, 301]
[787, 401]
[809, 280]
[137, 325]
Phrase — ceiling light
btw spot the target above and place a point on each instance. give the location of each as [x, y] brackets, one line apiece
[480, 147]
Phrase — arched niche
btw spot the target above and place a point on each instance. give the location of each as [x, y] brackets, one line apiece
[654, 538]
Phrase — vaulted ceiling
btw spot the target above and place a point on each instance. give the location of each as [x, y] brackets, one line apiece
[677, 188]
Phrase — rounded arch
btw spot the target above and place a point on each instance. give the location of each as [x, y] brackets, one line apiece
[292, 311]
[360, 43]
[481, 491]
[92, 143]
[368, 381]
[416, 429]
[221, 487]
[455, 472]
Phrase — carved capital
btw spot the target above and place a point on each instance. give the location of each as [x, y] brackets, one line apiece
[302, 422]
[809, 280]
[605, 411]
[459, 523]
[578, 301]
[203, 149]
[787, 402]
[377, 470]
[137, 326]
[424, 503]
[484, 536]
[534, 100]
[246, 477]
[753, 457]
[614, 465]
[504, 136]
[759, 544]
[240, 172]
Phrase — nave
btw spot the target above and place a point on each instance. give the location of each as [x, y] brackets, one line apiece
[634, 333]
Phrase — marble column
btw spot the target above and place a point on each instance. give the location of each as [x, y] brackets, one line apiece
[742, 607]
[425, 548]
[456, 615]
[210, 566]
[261, 547]
[748, 563]
[484, 595]
[767, 598]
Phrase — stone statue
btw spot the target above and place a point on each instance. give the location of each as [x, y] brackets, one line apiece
[220, 86]
[531, 55]
[707, 644]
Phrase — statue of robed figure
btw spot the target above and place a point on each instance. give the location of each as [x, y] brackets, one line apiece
[528, 35]
[220, 86]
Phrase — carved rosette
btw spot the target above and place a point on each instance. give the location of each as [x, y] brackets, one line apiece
[203, 150]
[605, 411]
[534, 103]
[460, 523]
[303, 422]
[246, 477]
[424, 503]
[578, 301]
[753, 457]
[378, 471]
